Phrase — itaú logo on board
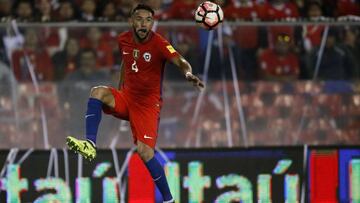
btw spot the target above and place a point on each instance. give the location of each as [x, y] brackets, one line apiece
[196, 182]
[14, 185]
[54, 189]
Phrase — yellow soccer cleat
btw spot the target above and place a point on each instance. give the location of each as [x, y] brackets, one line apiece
[83, 147]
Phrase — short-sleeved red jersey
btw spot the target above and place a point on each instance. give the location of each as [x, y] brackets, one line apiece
[274, 65]
[180, 10]
[279, 12]
[348, 7]
[144, 65]
[41, 61]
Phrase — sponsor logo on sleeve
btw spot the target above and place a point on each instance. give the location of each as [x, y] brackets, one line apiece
[171, 49]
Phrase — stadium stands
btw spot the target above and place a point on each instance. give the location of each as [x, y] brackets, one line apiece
[273, 115]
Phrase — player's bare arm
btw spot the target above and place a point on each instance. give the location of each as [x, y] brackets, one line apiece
[185, 67]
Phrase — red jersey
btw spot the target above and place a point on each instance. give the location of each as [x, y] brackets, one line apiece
[275, 65]
[180, 10]
[144, 65]
[312, 35]
[279, 12]
[247, 11]
[245, 36]
[348, 7]
[40, 60]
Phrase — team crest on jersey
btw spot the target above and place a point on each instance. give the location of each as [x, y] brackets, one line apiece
[147, 56]
[136, 53]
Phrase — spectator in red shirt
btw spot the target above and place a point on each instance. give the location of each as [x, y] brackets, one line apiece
[279, 63]
[280, 10]
[312, 34]
[245, 37]
[38, 58]
[181, 9]
[103, 50]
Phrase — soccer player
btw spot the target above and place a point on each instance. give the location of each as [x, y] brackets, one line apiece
[138, 99]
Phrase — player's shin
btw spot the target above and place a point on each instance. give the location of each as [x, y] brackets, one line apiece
[158, 175]
[93, 118]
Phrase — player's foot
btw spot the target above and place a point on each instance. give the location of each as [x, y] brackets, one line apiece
[83, 147]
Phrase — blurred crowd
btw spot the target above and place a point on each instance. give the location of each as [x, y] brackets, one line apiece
[281, 53]
[276, 114]
[272, 53]
[118, 10]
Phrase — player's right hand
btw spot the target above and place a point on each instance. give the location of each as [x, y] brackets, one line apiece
[195, 80]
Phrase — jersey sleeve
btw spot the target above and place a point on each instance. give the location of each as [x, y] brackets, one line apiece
[167, 50]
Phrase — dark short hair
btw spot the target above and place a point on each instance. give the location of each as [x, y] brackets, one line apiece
[314, 3]
[143, 7]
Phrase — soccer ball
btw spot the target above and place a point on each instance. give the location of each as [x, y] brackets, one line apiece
[209, 15]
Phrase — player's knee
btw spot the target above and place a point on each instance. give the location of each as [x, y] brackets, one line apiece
[99, 92]
[145, 153]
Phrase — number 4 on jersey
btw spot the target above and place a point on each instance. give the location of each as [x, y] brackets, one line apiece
[134, 67]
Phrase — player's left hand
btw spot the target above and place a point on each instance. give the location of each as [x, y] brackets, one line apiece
[195, 80]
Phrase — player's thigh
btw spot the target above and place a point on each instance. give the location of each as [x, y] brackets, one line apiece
[120, 108]
[144, 124]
